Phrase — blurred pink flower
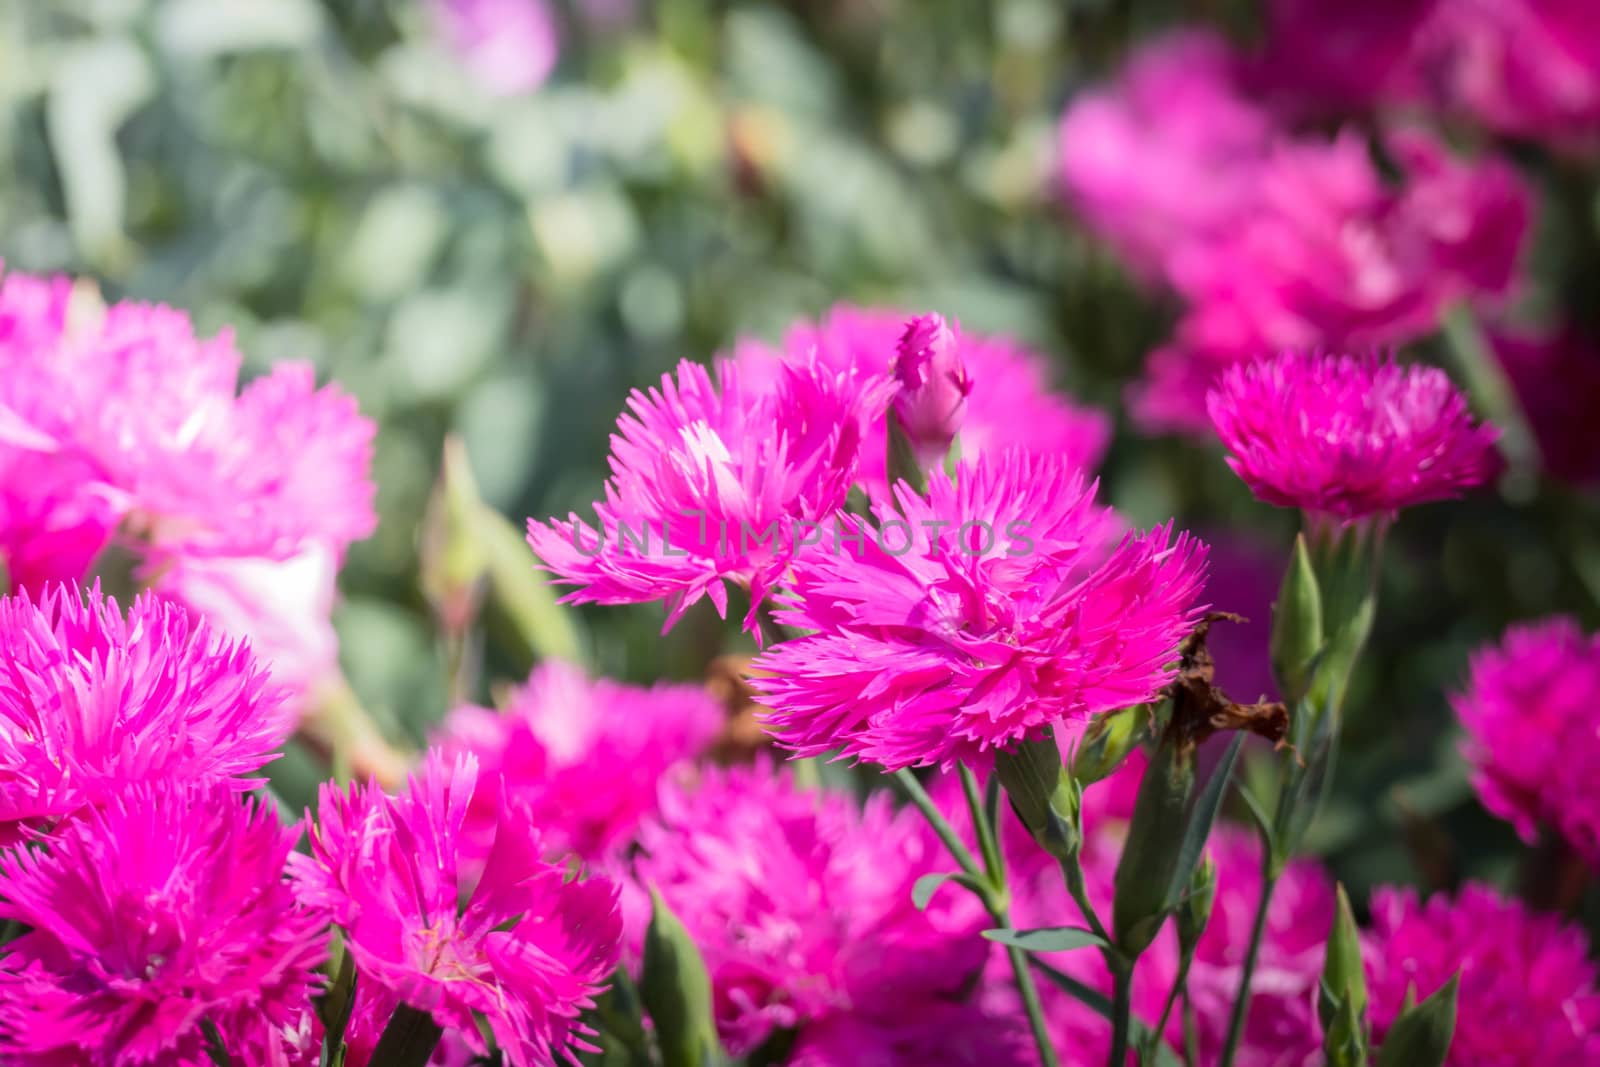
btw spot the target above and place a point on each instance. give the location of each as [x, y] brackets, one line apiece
[91, 701]
[931, 404]
[1532, 736]
[801, 904]
[1526, 68]
[1330, 57]
[1528, 995]
[121, 417]
[1557, 379]
[1331, 255]
[714, 482]
[163, 910]
[1349, 437]
[529, 951]
[508, 46]
[585, 757]
[974, 618]
[1168, 153]
[283, 608]
[1010, 404]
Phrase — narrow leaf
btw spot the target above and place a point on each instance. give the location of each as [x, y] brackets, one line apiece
[1099, 1003]
[924, 888]
[1047, 939]
[1421, 1036]
[1204, 816]
[335, 1008]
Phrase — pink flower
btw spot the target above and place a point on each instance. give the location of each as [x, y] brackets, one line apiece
[1528, 995]
[1282, 1028]
[91, 702]
[1166, 155]
[585, 757]
[509, 46]
[1010, 403]
[121, 418]
[1331, 256]
[932, 402]
[1527, 68]
[1557, 379]
[283, 608]
[529, 951]
[715, 482]
[161, 911]
[1349, 437]
[801, 904]
[1323, 56]
[975, 618]
[1532, 736]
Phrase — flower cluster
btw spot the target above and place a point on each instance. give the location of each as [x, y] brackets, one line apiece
[1531, 733]
[1293, 241]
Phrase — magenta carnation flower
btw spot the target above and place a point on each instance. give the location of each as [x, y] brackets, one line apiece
[508, 46]
[1528, 995]
[1327, 56]
[585, 757]
[1168, 154]
[120, 418]
[1010, 402]
[974, 618]
[529, 951]
[1349, 437]
[163, 910]
[1532, 737]
[1330, 255]
[91, 701]
[800, 902]
[712, 482]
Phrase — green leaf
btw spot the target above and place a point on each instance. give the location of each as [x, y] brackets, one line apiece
[335, 1007]
[924, 888]
[1047, 939]
[216, 1050]
[676, 991]
[1201, 819]
[1150, 856]
[522, 594]
[1421, 1036]
[1297, 635]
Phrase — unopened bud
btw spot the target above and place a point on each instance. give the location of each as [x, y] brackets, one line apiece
[932, 401]
[1195, 911]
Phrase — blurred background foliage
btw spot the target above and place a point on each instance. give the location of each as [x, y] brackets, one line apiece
[328, 182]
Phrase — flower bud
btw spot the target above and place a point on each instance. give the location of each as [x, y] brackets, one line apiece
[932, 402]
[1195, 911]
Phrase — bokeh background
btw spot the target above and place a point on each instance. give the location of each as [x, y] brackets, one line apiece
[501, 257]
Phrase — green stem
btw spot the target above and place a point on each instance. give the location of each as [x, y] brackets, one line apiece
[409, 1039]
[1191, 1032]
[1000, 913]
[1072, 874]
[1241, 1001]
[1179, 987]
[987, 846]
[1121, 1012]
[952, 841]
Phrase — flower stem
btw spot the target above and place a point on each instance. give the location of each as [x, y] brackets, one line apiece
[1241, 1001]
[408, 1040]
[999, 911]
[952, 841]
[1121, 1011]
[1179, 988]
